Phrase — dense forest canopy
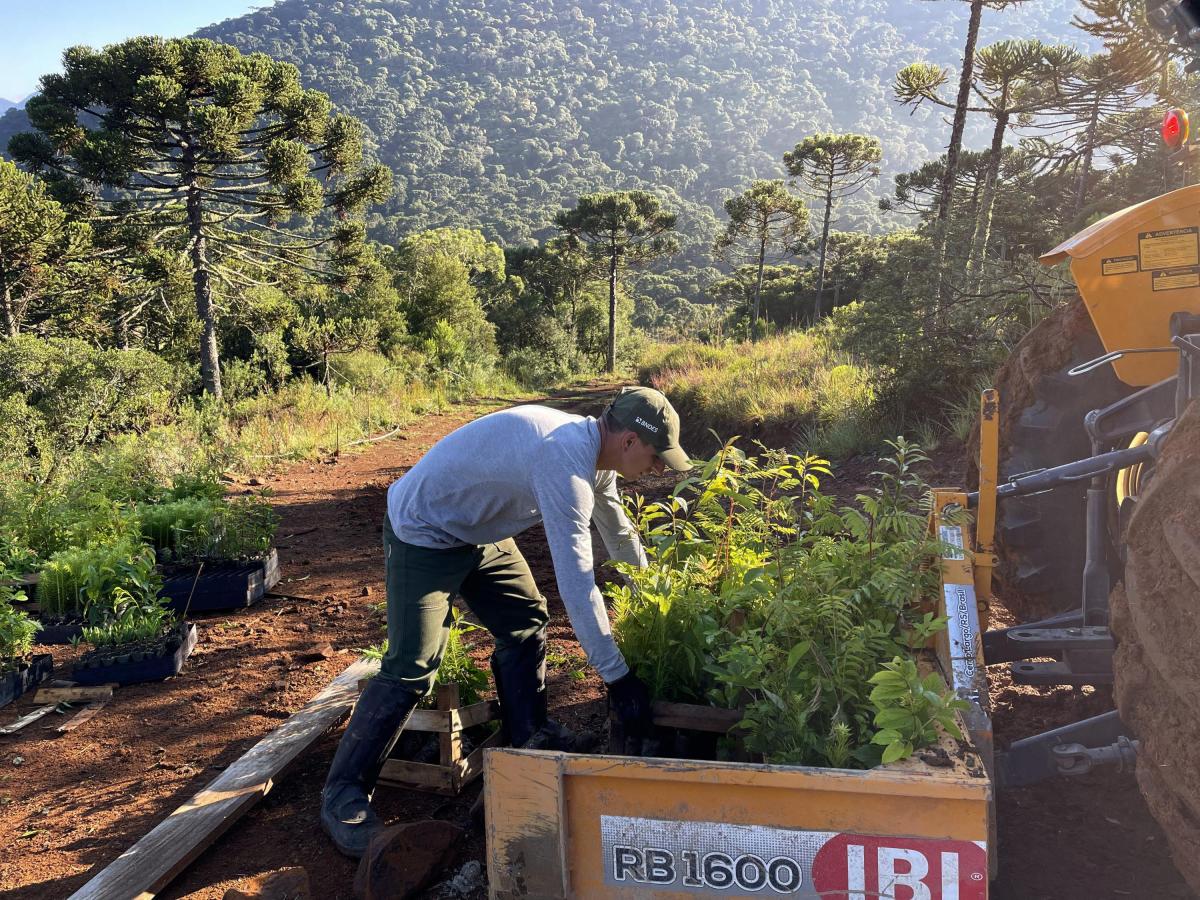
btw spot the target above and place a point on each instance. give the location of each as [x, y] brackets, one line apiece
[938, 145]
[496, 115]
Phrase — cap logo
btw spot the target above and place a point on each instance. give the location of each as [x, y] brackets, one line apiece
[646, 424]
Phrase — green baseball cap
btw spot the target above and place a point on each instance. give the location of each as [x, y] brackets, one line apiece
[649, 414]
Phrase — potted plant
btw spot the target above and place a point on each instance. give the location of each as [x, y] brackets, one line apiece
[75, 585]
[764, 598]
[20, 668]
[137, 639]
[215, 553]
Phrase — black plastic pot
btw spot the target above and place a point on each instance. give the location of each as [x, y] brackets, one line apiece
[222, 586]
[125, 670]
[14, 684]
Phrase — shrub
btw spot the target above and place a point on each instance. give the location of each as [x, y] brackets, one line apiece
[771, 390]
[83, 394]
[761, 594]
[17, 630]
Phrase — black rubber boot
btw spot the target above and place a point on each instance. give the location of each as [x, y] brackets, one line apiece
[520, 673]
[378, 718]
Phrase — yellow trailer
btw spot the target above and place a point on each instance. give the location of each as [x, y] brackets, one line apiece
[563, 825]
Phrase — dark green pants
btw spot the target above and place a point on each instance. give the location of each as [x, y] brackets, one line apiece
[493, 579]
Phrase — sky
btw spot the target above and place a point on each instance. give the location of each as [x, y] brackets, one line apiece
[35, 32]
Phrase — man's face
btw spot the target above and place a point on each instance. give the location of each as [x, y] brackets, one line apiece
[638, 458]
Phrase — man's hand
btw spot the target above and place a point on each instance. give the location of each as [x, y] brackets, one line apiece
[629, 698]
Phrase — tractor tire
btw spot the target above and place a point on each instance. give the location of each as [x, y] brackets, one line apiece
[1156, 622]
[1040, 540]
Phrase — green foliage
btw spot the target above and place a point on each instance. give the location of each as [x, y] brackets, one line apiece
[910, 710]
[17, 629]
[198, 529]
[129, 621]
[761, 594]
[457, 666]
[444, 278]
[65, 395]
[97, 582]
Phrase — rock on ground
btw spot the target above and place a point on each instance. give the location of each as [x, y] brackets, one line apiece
[403, 859]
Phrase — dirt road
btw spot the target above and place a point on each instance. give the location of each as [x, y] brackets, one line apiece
[75, 802]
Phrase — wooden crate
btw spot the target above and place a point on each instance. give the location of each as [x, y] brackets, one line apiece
[449, 720]
[689, 717]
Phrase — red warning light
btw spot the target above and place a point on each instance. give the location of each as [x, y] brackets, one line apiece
[1175, 128]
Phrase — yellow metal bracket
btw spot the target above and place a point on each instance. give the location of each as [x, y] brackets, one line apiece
[985, 512]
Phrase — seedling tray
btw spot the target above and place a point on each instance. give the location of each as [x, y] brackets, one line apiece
[14, 684]
[131, 671]
[222, 586]
[58, 632]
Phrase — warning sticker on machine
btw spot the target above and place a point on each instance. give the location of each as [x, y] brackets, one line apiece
[952, 535]
[722, 860]
[1118, 265]
[1169, 249]
[1175, 279]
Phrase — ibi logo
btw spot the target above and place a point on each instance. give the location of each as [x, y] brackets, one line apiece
[864, 867]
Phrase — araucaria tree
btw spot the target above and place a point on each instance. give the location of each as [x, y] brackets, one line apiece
[213, 153]
[763, 219]
[832, 167]
[618, 230]
[39, 246]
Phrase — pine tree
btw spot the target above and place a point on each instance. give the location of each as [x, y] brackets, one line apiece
[211, 151]
[763, 218]
[618, 230]
[832, 167]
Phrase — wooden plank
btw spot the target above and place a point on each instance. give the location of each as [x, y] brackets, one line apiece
[86, 714]
[94, 694]
[436, 720]
[478, 713]
[449, 742]
[471, 767]
[149, 865]
[28, 719]
[427, 776]
[696, 717]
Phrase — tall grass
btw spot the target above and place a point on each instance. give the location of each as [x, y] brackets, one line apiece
[794, 390]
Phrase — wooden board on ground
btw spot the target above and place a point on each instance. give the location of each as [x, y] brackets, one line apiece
[84, 715]
[90, 694]
[150, 864]
[28, 719]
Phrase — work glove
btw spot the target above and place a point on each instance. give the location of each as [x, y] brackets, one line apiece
[629, 699]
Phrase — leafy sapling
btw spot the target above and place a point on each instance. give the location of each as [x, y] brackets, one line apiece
[911, 709]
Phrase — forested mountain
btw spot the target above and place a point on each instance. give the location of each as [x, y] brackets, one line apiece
[496, 114]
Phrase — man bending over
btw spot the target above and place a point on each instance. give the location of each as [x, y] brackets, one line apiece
[448, 531]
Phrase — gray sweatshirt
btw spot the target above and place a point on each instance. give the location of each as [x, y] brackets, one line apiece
[502, 473]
